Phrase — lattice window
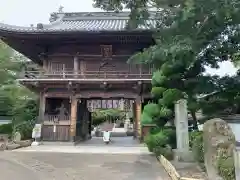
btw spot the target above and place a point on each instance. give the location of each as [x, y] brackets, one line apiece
[115, 104]
[109, 103]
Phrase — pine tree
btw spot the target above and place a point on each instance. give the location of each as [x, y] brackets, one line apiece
[190, 34]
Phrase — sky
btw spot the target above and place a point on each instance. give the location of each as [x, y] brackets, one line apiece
[27, 12]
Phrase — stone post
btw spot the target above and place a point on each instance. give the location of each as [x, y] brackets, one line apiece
[73, 120]
[181, 123]
[236, 152]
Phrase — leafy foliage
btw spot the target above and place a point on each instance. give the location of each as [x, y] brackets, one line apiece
[6, 129]
[189, 35]
[196, 144]
[225, 165]
[161, 142]
[15, 100]
[101, 115]
[225, 100]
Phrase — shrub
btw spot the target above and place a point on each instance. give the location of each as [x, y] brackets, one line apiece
[25, 129]
[196, 144]
[6, 129]
[155, 130]
[170, 132]
[160, 142]
[225, 166]
[156, 140]
[146, 119]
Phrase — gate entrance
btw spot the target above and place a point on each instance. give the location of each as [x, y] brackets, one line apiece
[74, 63]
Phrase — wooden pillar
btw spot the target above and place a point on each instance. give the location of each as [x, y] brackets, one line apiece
[138, 107]
[75, 65]
[73, 120]
[82, 67]
[45, 65]
[42, 105]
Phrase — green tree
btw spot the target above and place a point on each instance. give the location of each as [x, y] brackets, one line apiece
[15, 100]
[225, 101]
[189, 35]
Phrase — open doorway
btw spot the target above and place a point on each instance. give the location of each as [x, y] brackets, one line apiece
[114, 115]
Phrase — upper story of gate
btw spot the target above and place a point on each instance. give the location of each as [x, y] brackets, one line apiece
[82, 46]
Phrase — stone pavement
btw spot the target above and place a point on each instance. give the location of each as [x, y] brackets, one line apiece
[75, 166]
[119, 145]
[123, 159]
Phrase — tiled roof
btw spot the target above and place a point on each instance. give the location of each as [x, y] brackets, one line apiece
[70, 22]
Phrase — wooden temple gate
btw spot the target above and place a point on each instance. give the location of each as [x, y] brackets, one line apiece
[87, 60]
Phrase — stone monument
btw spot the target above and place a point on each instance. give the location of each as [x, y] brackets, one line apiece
[17, 137]
[182, 152]
[237, 162]
[218, 141]
[3, 141]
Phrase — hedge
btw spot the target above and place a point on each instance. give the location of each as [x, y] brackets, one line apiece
[6, 129]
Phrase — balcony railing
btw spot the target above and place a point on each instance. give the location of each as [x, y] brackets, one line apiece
[34, 75]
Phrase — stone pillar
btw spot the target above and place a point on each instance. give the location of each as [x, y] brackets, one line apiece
[42, 105]
[75, 65]
[236, 152]
[181, 123]
[73, 120]
[138, 107]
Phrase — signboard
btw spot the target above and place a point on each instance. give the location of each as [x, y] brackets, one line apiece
[36, 133]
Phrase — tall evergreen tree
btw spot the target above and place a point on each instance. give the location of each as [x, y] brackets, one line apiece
[190, 34]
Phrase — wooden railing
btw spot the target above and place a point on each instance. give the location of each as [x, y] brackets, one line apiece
[85, 75]
[56, 120]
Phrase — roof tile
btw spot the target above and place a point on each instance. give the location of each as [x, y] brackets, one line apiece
[64, 22]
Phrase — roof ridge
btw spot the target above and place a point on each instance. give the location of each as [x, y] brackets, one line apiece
[106, 15]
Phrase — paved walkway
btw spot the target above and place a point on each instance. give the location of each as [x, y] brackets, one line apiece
[86, 149]
[119, 145]
[124, 159]
[74, 166]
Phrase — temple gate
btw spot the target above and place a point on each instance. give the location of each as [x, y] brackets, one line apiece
[77, 58]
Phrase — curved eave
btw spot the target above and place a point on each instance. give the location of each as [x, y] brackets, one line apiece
[8, 30]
